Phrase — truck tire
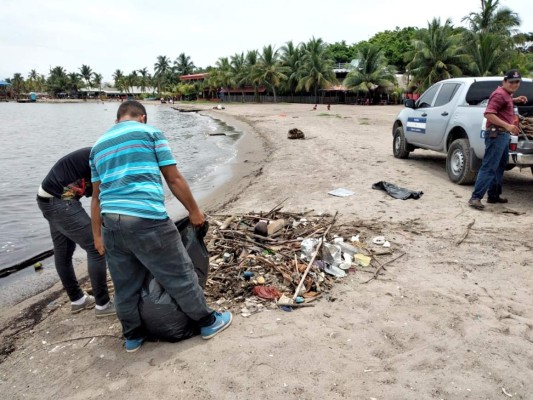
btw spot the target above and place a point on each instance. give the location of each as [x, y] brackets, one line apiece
[400, 148]
[458, 163]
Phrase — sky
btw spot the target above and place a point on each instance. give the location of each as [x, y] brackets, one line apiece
[130, 34]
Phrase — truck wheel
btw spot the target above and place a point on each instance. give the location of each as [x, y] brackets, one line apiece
[458, 163]
[400, 148]
[509, 167]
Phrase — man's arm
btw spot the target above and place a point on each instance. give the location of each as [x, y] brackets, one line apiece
[180, 188]
[495, 120]
[520, 99]
[96, 219]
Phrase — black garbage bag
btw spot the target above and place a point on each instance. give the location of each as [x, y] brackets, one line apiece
[162, 317]
[397, 192]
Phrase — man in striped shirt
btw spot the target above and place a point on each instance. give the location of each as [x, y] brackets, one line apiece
[131, 225]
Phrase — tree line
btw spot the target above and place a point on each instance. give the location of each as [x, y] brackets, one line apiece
[489, 44]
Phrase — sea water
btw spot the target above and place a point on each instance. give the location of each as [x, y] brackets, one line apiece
[33, 136]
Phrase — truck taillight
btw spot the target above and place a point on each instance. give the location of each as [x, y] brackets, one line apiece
[513, 143]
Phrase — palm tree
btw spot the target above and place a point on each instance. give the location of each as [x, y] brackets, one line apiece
[251, 59]
[371, 71]
[238, 71]
[291, 57]
[183, 65]
[488, 52]
[31, 83]
[144, 79]
[223, 77]
[161, 67]
[57, 81]
[270, 71]
[493, 18]
[316, 70]
[73, 82]
[17, 84]
[117, 76]
[97, 80]
[437, 54]
[86, 73]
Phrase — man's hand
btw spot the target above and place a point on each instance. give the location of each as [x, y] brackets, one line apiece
[197, 219]
[520, 99]
[513, 129]
[99, 245]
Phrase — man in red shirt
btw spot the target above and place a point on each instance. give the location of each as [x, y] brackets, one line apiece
[500, 124]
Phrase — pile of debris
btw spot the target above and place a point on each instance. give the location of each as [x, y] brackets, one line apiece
[526, 123]
[283, 259]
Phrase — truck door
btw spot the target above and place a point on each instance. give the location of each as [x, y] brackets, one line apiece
[436, 115]
[415, 130]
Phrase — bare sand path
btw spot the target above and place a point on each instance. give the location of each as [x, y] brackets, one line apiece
[446, 321]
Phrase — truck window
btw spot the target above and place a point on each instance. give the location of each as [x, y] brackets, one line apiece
[427, 98]
[480, 91]
[446, 94]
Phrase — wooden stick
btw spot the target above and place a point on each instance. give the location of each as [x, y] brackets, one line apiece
[308, 268]
[467, 230]
[381, 266]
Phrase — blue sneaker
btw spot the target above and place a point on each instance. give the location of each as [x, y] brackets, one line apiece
[133, 345]
[222, 321]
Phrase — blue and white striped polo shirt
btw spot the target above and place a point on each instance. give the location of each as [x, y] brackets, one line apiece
[126, 160]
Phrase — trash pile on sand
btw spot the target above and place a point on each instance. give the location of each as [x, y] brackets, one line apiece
[283, 259]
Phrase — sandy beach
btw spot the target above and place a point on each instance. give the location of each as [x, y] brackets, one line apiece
[452, 319]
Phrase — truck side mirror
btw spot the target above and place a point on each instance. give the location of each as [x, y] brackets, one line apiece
[409, 103]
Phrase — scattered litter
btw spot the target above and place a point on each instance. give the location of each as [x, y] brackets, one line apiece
[379, 240]
[506, 393]
[266, 292]
[386, 243]
[397, 192]
[335, 271]
[340, 192]
[362, 260]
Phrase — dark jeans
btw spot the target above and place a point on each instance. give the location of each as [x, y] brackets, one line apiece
[70, 225]
[134, 245]
[490, 175]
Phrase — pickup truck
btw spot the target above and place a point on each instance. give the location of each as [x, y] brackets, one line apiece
[448, 118]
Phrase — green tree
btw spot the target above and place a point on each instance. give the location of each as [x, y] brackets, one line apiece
[340, 52]
[118, 77]
[488, 53]
[291, 57]
[57, 81]
[18, 84]
[183, 65]
[395, 44]
[144, 78]
[74, 83]
[270, 71]
[161, 67]
[86, 73]
[316, 70]
[437, 54]
[97, 80]
[371, 72]
[239, 71]
[251, 60]
[493, 18]
[32, 81]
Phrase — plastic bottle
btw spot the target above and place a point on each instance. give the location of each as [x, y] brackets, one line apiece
[348, 248]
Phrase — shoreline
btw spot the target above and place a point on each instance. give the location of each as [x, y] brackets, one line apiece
[450, 319]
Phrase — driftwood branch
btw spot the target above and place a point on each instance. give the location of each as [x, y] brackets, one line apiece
[465, 234]
[382, 266]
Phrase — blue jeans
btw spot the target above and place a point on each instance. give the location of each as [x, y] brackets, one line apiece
[70, 225]
[134, 245]
[490, 175]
